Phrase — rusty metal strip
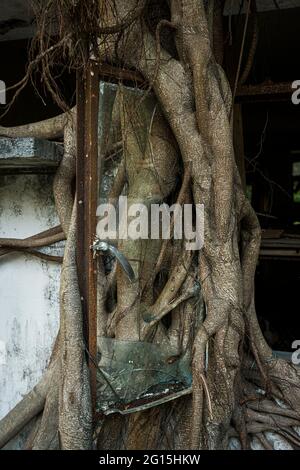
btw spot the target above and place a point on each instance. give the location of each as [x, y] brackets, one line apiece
[86, 187]
[109, 72]
[151, 403]
[80, 95]
[90, 207]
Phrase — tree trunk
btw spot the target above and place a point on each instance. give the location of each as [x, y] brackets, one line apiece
[183, 134]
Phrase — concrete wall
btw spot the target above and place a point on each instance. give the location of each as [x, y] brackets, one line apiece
[29, 288]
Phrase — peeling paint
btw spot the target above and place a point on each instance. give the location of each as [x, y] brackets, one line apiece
[29, 287]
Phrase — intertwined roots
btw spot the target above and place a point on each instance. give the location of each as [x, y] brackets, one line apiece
[239, 389]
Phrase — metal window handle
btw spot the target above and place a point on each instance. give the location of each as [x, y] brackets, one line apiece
[100, 245]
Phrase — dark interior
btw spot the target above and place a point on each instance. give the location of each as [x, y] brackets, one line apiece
[272, 159]
[34, 103]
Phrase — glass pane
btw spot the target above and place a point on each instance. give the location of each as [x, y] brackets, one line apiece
[136, 370]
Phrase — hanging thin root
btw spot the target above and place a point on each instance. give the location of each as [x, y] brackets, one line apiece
[33, 243]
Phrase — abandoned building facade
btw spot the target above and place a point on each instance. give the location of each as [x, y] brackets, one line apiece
[143, 299]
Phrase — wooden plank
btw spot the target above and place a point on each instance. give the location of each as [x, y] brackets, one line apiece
[238, 7]
[266, 91]
[290, 255]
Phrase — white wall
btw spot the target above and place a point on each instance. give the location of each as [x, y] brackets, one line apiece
[29, 288]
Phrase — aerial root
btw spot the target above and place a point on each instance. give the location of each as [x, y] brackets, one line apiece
[29, 407]
[48, 129]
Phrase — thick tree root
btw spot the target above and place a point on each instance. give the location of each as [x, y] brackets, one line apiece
[30, 406]
[49, 129]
